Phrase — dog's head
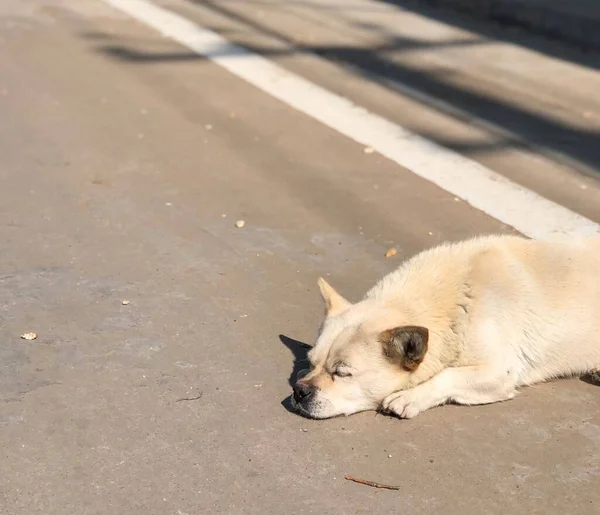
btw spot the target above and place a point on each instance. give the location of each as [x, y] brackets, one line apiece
[364, 352]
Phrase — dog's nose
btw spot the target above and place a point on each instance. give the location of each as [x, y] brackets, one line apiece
[301, 391]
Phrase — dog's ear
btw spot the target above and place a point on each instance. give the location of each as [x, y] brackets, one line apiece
[405, 346]
[334, 302]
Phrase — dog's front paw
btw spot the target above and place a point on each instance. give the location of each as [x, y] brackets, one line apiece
[404, 404]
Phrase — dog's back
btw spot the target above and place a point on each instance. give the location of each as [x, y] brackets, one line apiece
[544, 299]
[540, 299]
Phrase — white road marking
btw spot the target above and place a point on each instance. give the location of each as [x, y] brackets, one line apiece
[484, 189]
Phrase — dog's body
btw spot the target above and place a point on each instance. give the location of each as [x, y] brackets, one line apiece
[468, 322]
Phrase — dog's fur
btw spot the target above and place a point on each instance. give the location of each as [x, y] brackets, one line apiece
[468, 322]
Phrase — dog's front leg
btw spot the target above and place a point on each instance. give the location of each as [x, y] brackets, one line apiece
[464, 385]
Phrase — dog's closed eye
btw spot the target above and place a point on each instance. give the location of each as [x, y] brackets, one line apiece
[342, 371]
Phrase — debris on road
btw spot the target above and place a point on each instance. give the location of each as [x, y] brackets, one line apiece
[240, 223]
[371, 483]
[368, 150]
[124, 302]
[29, 336]
[391, 253]
[198, 397]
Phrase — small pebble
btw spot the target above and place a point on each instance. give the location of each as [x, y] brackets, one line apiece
[389, 455]
[124, 302]
[240, 223]
[368, 150]
[391, 253]
[29, 336]
[304, 430]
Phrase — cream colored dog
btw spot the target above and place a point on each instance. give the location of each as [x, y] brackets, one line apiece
[468, 322]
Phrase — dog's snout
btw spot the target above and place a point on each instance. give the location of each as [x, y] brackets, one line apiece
[302, 391]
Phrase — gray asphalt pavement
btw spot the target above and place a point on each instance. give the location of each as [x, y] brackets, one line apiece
[125, 162]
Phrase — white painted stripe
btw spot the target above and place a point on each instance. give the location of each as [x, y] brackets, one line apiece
[488, 191]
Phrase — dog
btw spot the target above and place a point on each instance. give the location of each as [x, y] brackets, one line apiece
[467, 322]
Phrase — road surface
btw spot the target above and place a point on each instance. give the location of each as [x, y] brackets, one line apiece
[126, 159]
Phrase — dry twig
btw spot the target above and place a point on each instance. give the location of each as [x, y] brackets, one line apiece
[371, 483]
[199, 396]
